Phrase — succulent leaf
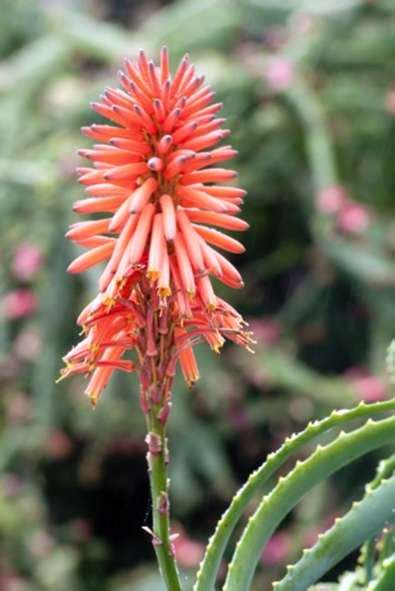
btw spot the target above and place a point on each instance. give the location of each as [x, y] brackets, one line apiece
[217, 544]
[289, 490]
[364, 520]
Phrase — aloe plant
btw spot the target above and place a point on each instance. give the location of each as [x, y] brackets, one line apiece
[364, 520]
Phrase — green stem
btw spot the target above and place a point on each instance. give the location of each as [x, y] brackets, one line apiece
[157, 462]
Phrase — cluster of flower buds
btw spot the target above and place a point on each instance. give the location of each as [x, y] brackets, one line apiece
[156, 179]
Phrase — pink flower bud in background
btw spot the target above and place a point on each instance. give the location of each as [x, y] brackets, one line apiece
[81, 530]
[27, 345]
[275, 37]
[279, 74]
[353, 218]
[368, 387]
[59, 445]
[238, 418]
[188, 552]
[266, 330]
[277, 549]
[18, 303]
[311, 536]
[19, 409]
[390, 101]
[40, 544]
[330, 199]
[10, 581]
[11, 486]
[27, 261]
[302, 24]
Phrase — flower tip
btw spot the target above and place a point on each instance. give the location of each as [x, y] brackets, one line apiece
[155, 164]
[93, 397]
[121, 76]
[62, 376]
[93, 400]
[152, 275]
[71, 268]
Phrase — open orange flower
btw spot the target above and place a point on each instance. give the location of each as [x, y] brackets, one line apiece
[156, 178]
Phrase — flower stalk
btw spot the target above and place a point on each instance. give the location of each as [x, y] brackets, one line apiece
[158, 458]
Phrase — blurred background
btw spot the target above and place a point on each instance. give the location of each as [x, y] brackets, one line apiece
[309, 93]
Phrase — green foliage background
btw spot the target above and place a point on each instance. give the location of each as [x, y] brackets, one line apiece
[308, 89]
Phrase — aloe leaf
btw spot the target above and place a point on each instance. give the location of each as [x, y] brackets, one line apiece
[101, 40]
[32, 65]
[210, 565]
[323, 462]
[386, 581]
[367, 555]
[366, 264]
[176, 25]
[364, 520]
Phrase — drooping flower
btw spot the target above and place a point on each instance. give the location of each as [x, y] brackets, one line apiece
[156, 182]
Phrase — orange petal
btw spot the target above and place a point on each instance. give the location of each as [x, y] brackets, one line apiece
[91, 258]
[112, 157]
[179, 74]
[126, 171]
[191, 241]
[184, 266]
[156, 249]
[164, 64]
[133, 145]
[211, 175]
[210, 260]
[169, 217]
[142, 195]
[230, 275]
[219, 239]
[164, 276]
[105, 132]
[106, 190]
[206, 292]
[120, 216]
[86, 229]
[225, 192]
[222, 220]
[123, 241]
[100, 204]
[197, 198]
[140, 237]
